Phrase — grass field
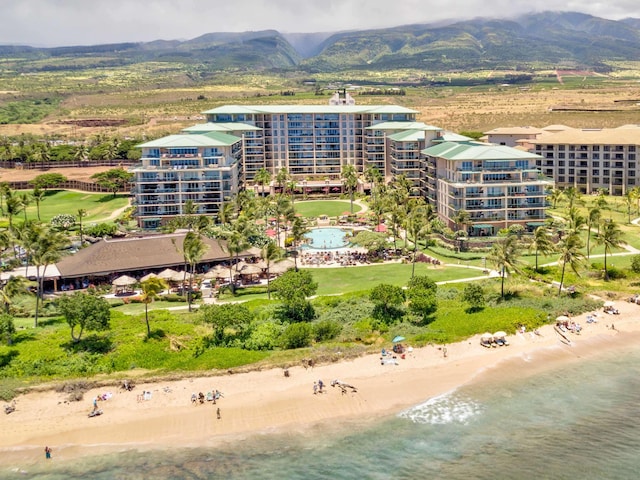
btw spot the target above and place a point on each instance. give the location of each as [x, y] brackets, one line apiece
[331, 208]
[99, 206]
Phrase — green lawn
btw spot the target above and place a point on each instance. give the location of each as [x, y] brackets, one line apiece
[332, 281]
[99, 206]
[331, 208]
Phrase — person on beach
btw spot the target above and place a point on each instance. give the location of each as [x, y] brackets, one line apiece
[315, 387]
[47, 453]
[218, 413]
[320, 385]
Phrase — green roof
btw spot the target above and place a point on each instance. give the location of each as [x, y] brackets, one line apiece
[476, 151]
[220, 127]
[408, 136]
[211, 139]
[284, 109]
[403, 126]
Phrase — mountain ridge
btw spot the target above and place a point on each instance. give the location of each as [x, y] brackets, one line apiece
[564, 39]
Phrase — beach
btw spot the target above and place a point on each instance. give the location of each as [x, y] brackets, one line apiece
[269, 402]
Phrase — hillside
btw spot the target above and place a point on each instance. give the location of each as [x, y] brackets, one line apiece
[550, 40]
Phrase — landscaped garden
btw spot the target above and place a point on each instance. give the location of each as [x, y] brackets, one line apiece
[317, 310]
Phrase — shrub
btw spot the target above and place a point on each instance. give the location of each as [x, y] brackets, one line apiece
[263, 336]
[296, 335]
[101, 230]
[326, 330]
[635, 264]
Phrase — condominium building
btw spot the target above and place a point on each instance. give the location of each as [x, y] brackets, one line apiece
[498, 186]
[587, 159]
[209, 163]
[591, 159]
[202, 168]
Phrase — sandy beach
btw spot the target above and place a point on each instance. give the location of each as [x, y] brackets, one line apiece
[267, 401]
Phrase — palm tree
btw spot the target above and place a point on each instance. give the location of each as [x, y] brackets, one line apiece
[5, 191]
[81, 153]
[636, 194]
[235, 242]
[14, 206]
[350, 180]
[282, 209]
[291, 188]
[38, 195]
[593, 218]
[576, 220]
[193, 249]
[555, 195]
[572, 194]
[281, 178]
[298, 231]
[505, 256]
[541, 243]
[262, 177]
[601, 199]
[462, 218]
[570, 254]
[417, 225]
[81, 214]
[44, 248]
[151, 288]
[271, 252]
[14, 286]
[628, 199]
[611, 237]
[25, 200]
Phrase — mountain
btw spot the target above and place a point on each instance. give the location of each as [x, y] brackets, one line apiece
[258, 50]
[547, 39]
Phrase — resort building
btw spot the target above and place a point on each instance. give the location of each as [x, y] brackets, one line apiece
[204, 168]
[209, 163]
[498, 186]
[586, 159]
[591, 159]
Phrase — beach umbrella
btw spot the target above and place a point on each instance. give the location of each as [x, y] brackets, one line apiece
[167, 274]
[487, 336]
[124, 281]
[250, 269]
[281, 267]
[500, 334]
[562, 318]
[398, 338]
[148, 276]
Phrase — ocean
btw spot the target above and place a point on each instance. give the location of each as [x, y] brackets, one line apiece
[540, 416]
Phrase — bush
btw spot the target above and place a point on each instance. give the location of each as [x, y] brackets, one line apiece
[326, 330]
[635, 264]
[174, 297]
[101, 230]
[263, 336]
[296, 335]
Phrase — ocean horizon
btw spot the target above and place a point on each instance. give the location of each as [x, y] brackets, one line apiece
[535, 416]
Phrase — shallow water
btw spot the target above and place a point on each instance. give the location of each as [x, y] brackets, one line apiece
[575, 420]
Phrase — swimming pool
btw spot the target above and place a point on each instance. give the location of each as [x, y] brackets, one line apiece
[326, 238]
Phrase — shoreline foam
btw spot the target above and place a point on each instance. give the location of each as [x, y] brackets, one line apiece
[265, 401]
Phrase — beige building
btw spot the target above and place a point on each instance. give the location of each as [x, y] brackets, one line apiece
[587, 159]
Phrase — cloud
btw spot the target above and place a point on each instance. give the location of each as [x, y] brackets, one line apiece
[83, 22]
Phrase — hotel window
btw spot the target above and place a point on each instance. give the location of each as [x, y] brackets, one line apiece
[596, 164]
[561, 148]
[595, 172]
[561, 155]
[596, 156]
[632, 148]
[596, 148]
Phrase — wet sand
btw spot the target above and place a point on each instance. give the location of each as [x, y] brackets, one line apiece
[267, 401]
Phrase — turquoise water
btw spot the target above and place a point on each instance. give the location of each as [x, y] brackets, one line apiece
[577, 420]
[326, 238]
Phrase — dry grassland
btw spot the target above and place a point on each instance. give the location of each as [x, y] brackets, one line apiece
[164, 111]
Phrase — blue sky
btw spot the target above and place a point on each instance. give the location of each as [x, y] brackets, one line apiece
[85, 22]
